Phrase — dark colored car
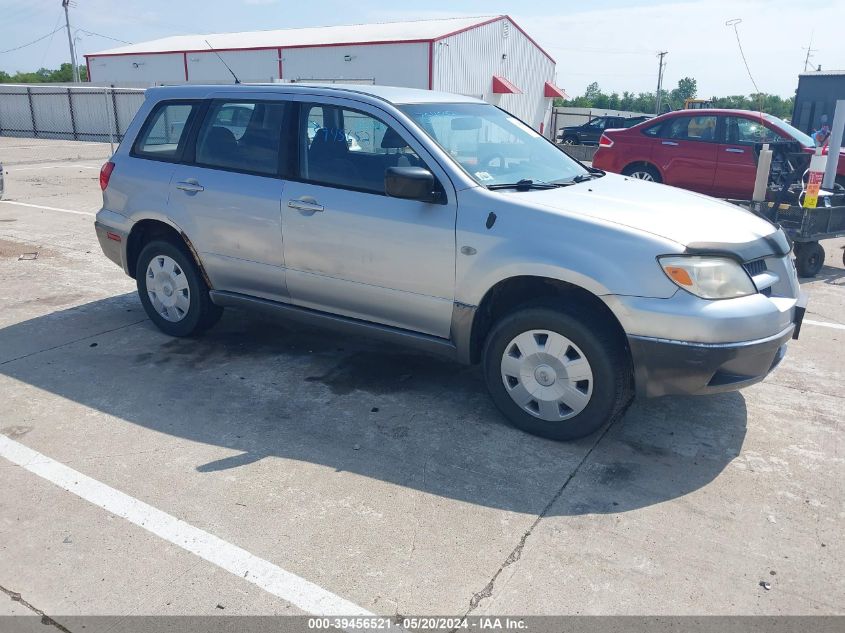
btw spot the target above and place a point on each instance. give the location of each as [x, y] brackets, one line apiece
[708, 151]
[590, 132]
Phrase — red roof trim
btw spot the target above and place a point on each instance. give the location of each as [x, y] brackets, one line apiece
[259, 48]
[469, 28]
[498, 19]
[502, 86]
[550, 91]
[531, 39]
[370, 43]
[431, 65]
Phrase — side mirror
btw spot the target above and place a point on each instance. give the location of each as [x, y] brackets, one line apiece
[410, 183]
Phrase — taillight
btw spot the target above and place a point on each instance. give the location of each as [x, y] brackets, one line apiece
[605, 141]
[105, 174]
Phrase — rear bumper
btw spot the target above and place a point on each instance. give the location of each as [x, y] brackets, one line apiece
[664, 367]
[112, 241]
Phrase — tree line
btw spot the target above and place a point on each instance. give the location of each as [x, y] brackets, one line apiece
[687, 88]
[64, 74]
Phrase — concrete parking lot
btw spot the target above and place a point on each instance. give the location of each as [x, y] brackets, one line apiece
[350, 475]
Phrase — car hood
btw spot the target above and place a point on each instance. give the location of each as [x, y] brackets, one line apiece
[690, 219]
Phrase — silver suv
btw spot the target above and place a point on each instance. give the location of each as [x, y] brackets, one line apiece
[444, 223]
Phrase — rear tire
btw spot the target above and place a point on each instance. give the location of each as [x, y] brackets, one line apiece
[642, 172]
[172, 290]
[556, 374]
[809, 258]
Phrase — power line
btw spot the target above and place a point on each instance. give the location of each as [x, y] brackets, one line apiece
[43, 37]
[50, 43]
[114, 39]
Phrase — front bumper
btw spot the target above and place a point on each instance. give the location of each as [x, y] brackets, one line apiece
[665, 367]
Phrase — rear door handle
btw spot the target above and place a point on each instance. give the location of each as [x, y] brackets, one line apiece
[672, 143]
[191, 186]
[308, 205]
[735, 150]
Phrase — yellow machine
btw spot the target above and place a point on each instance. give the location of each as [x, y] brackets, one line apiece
[697, 104]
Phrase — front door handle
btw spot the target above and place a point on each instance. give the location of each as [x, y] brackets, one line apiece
[309, 205]
[191, 186]
[735, 150]
[672, 143]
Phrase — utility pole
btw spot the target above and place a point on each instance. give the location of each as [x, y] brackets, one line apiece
[74, 67]
[660, 57]
[810, 51]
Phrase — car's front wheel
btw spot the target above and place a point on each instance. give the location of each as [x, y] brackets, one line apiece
[555, 374]
[570, 140]
[172, 291]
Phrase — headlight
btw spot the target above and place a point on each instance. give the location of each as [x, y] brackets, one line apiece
[708, 277]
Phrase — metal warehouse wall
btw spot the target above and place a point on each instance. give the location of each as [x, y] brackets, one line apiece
[149, 69]
[384, 64]
[255, 66]
[465, 63]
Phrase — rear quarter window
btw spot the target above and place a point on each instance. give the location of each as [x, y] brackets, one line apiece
[164, 132]
[652, 130]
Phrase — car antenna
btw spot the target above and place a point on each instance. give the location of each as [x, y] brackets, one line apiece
[237, 81]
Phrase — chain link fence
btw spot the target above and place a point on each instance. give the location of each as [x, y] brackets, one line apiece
[74, 113]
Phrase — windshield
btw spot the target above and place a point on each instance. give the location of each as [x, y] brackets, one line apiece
[493, 147]
[787, 129]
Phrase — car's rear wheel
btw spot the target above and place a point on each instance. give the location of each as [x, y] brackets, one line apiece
[172, 291]
[809, 258]
[554, 374]
[642, 172]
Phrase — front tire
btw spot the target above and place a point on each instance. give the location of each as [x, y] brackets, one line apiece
[172, 291]
[571, 140]
[553, 375]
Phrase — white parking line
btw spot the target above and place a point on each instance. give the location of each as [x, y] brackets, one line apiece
[12, 168]
[41, 206]
[283, 584]
[835, 326]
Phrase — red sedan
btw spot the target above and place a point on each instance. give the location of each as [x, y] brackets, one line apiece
[709, 151]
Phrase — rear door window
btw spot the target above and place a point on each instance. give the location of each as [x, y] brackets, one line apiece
[242, 136]
[164, 132]
[691, 128]
[653, 130]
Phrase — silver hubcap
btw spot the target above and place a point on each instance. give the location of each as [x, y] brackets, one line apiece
[547, 375]
[568, 141]
[167, 287]
[642, 175]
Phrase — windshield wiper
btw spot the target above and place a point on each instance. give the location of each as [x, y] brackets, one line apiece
[586, 177]
[524, 185]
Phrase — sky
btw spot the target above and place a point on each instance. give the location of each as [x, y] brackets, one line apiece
[611, 42]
